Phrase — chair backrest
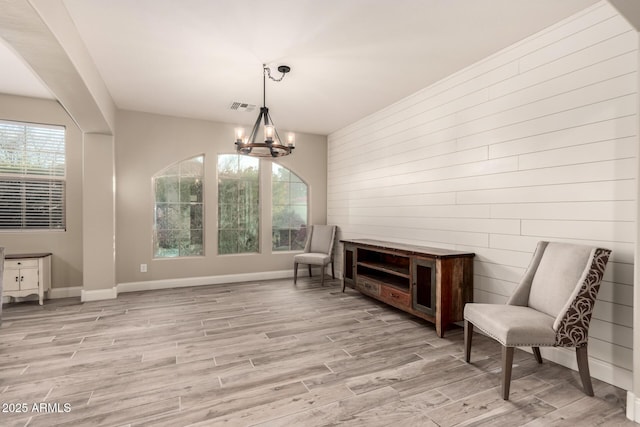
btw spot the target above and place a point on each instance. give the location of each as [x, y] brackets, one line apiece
[562, 268]
[563, 281]
[321, 239]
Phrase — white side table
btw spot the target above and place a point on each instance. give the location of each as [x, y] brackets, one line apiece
[27, 274]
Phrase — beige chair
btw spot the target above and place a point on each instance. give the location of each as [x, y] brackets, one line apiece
[551, 306]
[318, 250]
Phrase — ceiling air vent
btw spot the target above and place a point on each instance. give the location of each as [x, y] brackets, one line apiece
[242, 106]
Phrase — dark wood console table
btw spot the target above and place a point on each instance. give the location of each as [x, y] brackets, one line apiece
[430, 283]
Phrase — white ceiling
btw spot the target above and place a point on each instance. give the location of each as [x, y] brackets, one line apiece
[349, 58]
[17, 78]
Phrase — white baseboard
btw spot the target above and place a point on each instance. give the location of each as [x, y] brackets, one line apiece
[633, 407]
[112, 293]
[98, 294]
[610, 374]
[205, 280]
[68, 292]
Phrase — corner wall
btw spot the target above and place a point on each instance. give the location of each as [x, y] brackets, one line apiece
[66, 246]
[536, 142]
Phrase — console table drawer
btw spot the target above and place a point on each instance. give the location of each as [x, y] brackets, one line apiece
[394, 296]
[368, 286]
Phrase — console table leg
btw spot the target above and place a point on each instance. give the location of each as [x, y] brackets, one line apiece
[439, 329]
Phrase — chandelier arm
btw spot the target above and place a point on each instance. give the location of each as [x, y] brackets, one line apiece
[275, 129]
[256, 126]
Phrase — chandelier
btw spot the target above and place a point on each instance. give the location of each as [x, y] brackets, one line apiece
[272, 146]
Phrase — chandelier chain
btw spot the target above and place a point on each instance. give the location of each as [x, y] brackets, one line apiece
[267, 72]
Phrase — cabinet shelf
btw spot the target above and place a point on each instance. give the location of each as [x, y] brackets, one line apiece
[396, 270]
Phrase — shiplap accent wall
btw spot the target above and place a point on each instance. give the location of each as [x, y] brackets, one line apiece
[536, 142]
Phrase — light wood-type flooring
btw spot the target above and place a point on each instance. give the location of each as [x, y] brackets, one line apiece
[269, 353]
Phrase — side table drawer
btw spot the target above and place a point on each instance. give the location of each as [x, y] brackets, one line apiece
[14, 264]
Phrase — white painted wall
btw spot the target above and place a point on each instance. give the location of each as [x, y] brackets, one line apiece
[537, 142]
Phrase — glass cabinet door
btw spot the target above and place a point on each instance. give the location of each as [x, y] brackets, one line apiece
[424, 286]
[349, 266]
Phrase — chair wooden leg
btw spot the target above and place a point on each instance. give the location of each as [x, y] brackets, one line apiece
[333, 272]
[295, 272]
[468, 335]
[536, 353]
[582, 358]
[507, 363]
[309, 265]
[322, 275]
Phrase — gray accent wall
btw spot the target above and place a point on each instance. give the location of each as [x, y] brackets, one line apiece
[145, 144]
[66, 246]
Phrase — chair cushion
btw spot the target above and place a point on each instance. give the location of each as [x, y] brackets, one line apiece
[311, 258]
[559, 273]
[512, 325]
[321, 238]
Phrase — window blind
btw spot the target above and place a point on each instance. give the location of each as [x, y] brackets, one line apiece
[32, 176]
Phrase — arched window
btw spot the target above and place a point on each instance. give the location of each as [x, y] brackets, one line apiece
[178, 210]
[289, 209]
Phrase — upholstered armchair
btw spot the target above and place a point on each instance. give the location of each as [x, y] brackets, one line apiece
[318, 250]
[551, 306]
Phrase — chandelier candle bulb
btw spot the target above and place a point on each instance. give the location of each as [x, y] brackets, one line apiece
[268, 133]
[291, 139]
[240, 135]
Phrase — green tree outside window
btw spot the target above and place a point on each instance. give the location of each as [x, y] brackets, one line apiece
[238, 204]
[179, 210]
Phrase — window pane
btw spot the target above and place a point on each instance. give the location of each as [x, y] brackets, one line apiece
[238, 204]
[280, 194]
[298, 193]
[190, 243]
[167, 189]
[179, 210]
[190, 190]
[298, 239]
[227, 242]
[280, 173]
[288, 209]
[32, 176]
[227, 216]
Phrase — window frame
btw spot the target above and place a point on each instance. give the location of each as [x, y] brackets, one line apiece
[308, 205]
[154, 231]
[259, 207]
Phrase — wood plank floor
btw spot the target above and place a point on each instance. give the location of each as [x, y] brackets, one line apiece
[273, 354]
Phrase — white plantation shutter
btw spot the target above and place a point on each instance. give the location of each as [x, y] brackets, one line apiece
[32, 176]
